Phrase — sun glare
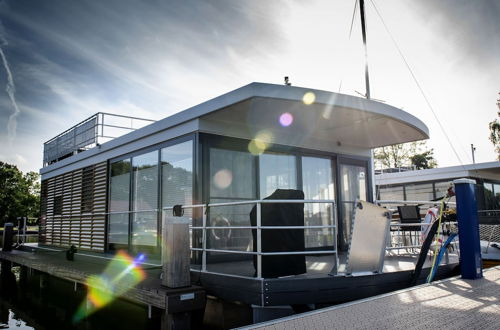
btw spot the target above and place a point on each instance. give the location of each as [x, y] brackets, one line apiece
[121, 275]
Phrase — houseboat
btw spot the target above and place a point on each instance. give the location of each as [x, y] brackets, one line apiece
[225, 161]
[433, 184]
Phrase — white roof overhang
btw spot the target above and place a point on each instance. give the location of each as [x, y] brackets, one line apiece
[336, 118]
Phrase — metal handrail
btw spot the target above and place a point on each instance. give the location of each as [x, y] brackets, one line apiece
[399, 225]
[411, 202]
[258, 227]
[95, 131]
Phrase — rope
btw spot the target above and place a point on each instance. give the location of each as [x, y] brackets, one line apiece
[436, 240]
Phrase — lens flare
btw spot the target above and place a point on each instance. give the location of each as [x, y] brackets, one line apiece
[260, 143]
[223, 178]
[121, 274]
[286, 119]
[309, 98]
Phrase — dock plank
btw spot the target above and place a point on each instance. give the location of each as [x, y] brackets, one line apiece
[149, 292]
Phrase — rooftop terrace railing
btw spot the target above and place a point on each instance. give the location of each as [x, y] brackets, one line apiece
[93, 131]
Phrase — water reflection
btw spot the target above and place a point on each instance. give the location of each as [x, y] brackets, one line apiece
[33, 300]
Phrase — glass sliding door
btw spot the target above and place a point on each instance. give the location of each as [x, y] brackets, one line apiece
[318, 183]
[119, 202]
[135, 186]
[232, 178]
[277, 171]
[353, 186]
[145, 200]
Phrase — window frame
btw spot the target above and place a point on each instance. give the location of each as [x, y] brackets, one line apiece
[156, 147]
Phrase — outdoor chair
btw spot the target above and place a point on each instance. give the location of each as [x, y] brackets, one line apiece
[409, 214]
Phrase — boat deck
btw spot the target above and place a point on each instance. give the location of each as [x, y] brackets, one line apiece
[322, 265]
[451, 304]
[317, 286]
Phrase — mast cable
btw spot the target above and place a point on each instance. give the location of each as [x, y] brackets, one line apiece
[350, 34]
[418, 84]
[353, 16]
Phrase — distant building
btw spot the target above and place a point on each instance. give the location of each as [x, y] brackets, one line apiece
[431, 184]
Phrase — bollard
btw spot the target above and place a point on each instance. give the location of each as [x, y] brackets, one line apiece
[468, 229]
[8, 235]
[176, 252]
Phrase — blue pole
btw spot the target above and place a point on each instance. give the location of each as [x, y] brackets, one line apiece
[468, 229]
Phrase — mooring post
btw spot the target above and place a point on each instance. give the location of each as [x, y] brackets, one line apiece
[468, 229]
[176, 255]
[8, 235]
[176, 252]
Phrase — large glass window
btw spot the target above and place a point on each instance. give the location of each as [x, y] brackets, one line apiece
[496, 189]
[276, 171]
[145, 199]
[317, 182]
[441, 188]
[419, 192]
[119, 203]
[232, 174]
[394, 193]
[232, 178]
[489, 197]
[177, 175]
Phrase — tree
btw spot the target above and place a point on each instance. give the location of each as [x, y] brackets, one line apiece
[495, 131]
[413, 154]
[423, 160]
[19, 193]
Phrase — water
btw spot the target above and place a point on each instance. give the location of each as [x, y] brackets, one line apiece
[32, 300]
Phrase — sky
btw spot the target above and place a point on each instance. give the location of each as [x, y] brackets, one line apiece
[64, 60]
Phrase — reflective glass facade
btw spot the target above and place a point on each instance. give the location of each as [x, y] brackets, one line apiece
[136, 195]
[144, 183]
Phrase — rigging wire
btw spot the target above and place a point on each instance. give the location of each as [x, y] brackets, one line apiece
[417, 83]
[353, 16]
[350, 34]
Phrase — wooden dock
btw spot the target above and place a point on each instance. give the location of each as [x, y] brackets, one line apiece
[449, 304]
[149, 292]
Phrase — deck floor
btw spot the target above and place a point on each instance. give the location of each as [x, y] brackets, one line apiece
[322, 265]
[450, 304]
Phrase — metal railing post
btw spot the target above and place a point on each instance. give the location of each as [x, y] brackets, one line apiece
[335, 238]
[493, 228]
[259, 240]
[204, 240]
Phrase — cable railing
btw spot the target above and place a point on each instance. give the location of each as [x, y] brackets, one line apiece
[259, 253]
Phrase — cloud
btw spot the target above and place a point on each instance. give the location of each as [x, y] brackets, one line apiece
[472, 26]
[142, 58]
[10, 88]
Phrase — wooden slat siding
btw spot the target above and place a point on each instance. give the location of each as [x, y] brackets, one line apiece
[100, 206]
[76, 208]
[66, 212]
[56, 230]
[50, 210]
[85, 230]
[42, 223]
